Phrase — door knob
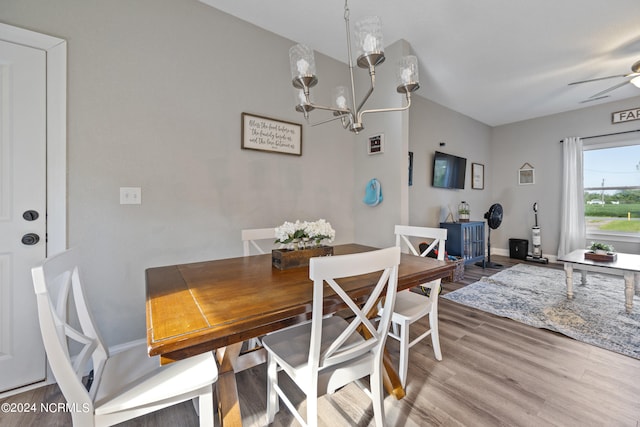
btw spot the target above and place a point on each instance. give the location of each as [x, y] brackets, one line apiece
[30, 239]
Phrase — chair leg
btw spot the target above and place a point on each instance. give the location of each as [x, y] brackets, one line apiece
[435, 335]
[377, 395]
[312, 408]
[205, 406]
[394, 326]
[404, 353]
[272, 396]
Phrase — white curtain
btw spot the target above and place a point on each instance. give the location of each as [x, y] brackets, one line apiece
[572, 230]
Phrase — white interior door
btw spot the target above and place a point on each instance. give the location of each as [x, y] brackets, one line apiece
[23, 137]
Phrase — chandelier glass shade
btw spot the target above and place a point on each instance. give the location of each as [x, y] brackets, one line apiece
[368, 35]
[370, 53]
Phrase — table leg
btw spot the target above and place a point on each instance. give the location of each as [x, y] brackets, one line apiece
[637, 282]
[390, 378]
[228, 401]
[628, 290]
[568, 269]
[583, 273]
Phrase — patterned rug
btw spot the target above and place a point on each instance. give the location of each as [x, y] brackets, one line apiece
[537, 296]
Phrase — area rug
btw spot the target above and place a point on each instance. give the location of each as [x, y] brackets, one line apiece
[537, 296]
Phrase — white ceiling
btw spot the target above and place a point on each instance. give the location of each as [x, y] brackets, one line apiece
[497, 61]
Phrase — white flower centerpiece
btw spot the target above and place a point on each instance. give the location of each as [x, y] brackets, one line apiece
[302, 235]
[302, 240]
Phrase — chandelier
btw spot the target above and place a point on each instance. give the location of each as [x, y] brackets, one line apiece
[368, 36]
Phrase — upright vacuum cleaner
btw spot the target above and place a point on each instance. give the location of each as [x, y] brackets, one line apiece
[536, 253]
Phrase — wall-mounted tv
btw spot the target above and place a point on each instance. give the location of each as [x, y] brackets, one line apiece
[448, 170]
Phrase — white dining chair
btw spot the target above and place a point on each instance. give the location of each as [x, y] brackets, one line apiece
[327, 353]
[250, 239]
[411, 306]
[251, 236]
[126, 383]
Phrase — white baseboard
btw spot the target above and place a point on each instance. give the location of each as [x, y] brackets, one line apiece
[29, 387]
[50, 379]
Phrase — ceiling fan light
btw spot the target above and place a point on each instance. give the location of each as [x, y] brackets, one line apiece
[636, 81]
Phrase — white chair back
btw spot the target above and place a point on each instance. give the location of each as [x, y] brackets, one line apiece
[331, 351]
[57, 285]
[438, 236]
[251, 236]
[326, 270]
[411, 307]
[127, 383]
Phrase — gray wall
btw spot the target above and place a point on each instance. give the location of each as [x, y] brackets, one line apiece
[374, 225]
[537, 142]
[155, 95]
[432, 124]
[503, 150]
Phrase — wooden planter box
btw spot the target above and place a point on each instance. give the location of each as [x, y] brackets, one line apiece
[283, 259]
[608, 257]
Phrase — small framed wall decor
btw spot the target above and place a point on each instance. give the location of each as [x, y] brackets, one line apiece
[477, 176]
[375, 144]
[526, 175]
[410, 167]
[266, 134]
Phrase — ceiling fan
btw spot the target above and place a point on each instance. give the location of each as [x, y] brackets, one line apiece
[634, 78]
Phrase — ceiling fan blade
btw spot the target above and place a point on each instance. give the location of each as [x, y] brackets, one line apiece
[598, 79]
[594, 99]
[612, 88]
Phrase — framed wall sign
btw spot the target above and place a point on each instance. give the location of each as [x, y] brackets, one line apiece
[625, 116]
[477, 176]
[265, 134]
[376, 144]
[526, 175]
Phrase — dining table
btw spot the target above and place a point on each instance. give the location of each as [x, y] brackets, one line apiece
[217, 305]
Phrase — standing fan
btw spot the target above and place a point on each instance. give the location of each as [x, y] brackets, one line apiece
[494, 219]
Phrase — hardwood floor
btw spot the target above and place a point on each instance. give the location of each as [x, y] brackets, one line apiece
[494, 372]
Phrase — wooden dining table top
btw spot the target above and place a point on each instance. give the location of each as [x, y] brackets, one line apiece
[197, 307]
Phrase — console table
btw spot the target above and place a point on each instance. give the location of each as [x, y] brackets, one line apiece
[465, 240]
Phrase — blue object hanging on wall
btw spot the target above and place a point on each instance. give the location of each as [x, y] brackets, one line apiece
[373, 193]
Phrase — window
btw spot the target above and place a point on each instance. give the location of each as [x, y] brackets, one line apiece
[612, 190]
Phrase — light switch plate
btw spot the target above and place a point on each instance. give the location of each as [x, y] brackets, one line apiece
[130, 195]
